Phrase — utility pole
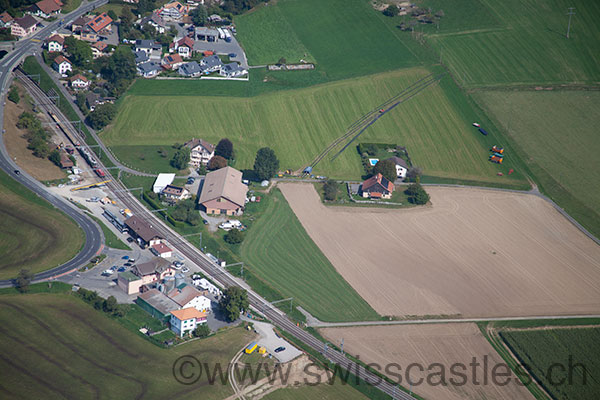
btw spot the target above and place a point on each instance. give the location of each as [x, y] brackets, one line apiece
[570, 13]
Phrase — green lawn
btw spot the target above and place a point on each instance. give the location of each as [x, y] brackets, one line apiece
[322, 391]
[518, 42]
[435, 126]
[540, 349]
[110, 239]
[280, 251]
[57, 346]
[70, 5]
[558, 132]
[33, 234]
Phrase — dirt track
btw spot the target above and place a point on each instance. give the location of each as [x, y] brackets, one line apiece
[446, 344]
[473, 252]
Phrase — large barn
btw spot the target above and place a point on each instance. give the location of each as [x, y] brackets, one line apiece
[223, 192]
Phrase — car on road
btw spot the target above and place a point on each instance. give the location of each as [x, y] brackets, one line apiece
[130, 239]
[93, 199]
[279, 349]
[17, 172]
[121, 269]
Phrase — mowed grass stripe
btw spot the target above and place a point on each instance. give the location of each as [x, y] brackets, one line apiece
[282, 254]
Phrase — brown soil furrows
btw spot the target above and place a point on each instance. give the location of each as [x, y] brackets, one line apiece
[79, 352]
[42, 382]
[62, 367]
[473, 252]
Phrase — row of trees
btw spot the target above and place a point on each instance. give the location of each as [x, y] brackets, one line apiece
[36, 135]
[234, 301]
[108, 305]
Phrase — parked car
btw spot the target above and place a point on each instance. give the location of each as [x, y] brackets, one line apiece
[185, 269]
[125, 258]
[130, 239]
[121, 269]
[205, 222]
[107, 272]
[279, 349]
[132, 260]
[127, 264]
[232, 55]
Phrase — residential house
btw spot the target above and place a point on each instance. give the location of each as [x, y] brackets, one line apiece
[79, 23]
[141, 57]
[205, 34]
[175, 193]
[88, 35]
[200, 152]
[377, 187]
[143, 231]
[100, 22]
[215, 19]
[172, 61]
[62, 65]
[22, 27]
[79, 81]
[155, 270]
[185, 47]
[148, 69]
[157, 304]
[232, 70]
[211, 64]
[190, 297]
[92, 100]
[162, 181]
[99, 49]
[46, 8]
[5, 20]
[223, 192]
[401, 166]
[191, 69]
[186, 320]
[151, 48]
[205, 285]
[161, 250]
[55, 43]
[65, 160]
[174, 10]
[156, 21]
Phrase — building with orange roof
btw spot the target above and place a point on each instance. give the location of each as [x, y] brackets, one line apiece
[100, 22]
[62, 65]
[377, 187]
[186, 320]
[5, 20]
[46, 8]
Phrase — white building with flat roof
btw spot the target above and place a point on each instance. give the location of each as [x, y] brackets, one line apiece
[162, 181]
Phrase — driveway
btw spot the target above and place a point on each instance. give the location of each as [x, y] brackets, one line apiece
[270, 340]
[222, 47]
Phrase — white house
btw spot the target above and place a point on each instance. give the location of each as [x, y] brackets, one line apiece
[55, 43]
[232, 70]
[190, 297]
[162, 181]
[185, 47]
[148, 69]
[161, 250]
[79, 81]
[156, 21]
[200, 152]
[204, 284]
[211, 64]
[175, 193]
[186, 320]
[62, 65]
[22, 27]
[401, 166]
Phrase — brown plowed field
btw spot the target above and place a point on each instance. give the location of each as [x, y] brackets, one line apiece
[446, 344]
[472, 252]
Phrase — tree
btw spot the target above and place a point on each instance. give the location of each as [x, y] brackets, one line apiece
[224, 149]
[23, 280]
[281, 61]
[266, 163]
[202, 331]
[233, 301]
[181, 158]
[417, 194]
[414, 174]
[80, 52]
[331, 189]
[13, 95]
[387, 168]
[199, 15]
[110, 304]
[193, 218]
[81, 103]
[234, 236]
[55, 157]
[217, 162]
[102, 115]
[39, 146]
[112, 15]
[391, 11]
[118, 69]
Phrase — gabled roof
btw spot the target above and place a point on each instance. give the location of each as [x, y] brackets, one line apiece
[100, 46]
[100, 22]
[398, 161]
[225, 182]
[61, 59]
[157, 264]
[231, 67]
[190, 68]
[56, 38]
[48, 6]
[141, 228]
[188, 313]
[211, 61]
[81, 21]
[184, 295]
[209, 147]
[148, 67]
[162, 248]
[141, 56]
[159, 301]
[5, 17]
[26, 22]
[171, 59]
[78, 76]
[185, 41]
[144, 44]
[377, 182]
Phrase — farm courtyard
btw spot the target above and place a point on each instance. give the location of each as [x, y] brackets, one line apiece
[473, 252]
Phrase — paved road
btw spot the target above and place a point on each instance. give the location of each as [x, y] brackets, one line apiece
[93, 234]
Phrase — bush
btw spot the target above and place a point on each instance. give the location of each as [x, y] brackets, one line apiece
[55, 157]
[391, 11]
[181, 158]
[13, 95]
[330, 190]
[202, 331]
[224, 149]
[266, 163]
[416, 194]
[414, 174]
[102, 115]
[234, 236]
[23, 280]
[217, 162]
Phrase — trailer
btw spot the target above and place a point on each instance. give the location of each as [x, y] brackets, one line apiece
[100, 173]
[483, 131]
[221, 33]
[498, 155]
[496, 159]
[251, 347]
[227, 35]
[497, 149]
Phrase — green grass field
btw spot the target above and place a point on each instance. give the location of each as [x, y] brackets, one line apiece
[110, 239]
[540, 349]
[56, 346]
[558, 132]
[33, 234]
[280, 251]
[435, 126]
[518, 42]
[322, 391]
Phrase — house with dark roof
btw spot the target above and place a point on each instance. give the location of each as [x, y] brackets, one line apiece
[232, 70]
[401, 166]
[155, 21]
[79, 23]
[148, 69]
[173, 194]
[377, 187]
[200, 152]
[191, 69]
[153, 271]
[141, 57]
[143, 231]
[157, 304]
[223, 192]
[55, 43]
[172, 61]
[22, 27]
[45, 8]
[211, 64]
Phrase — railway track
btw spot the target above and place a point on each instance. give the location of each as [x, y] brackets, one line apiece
[214, 272]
